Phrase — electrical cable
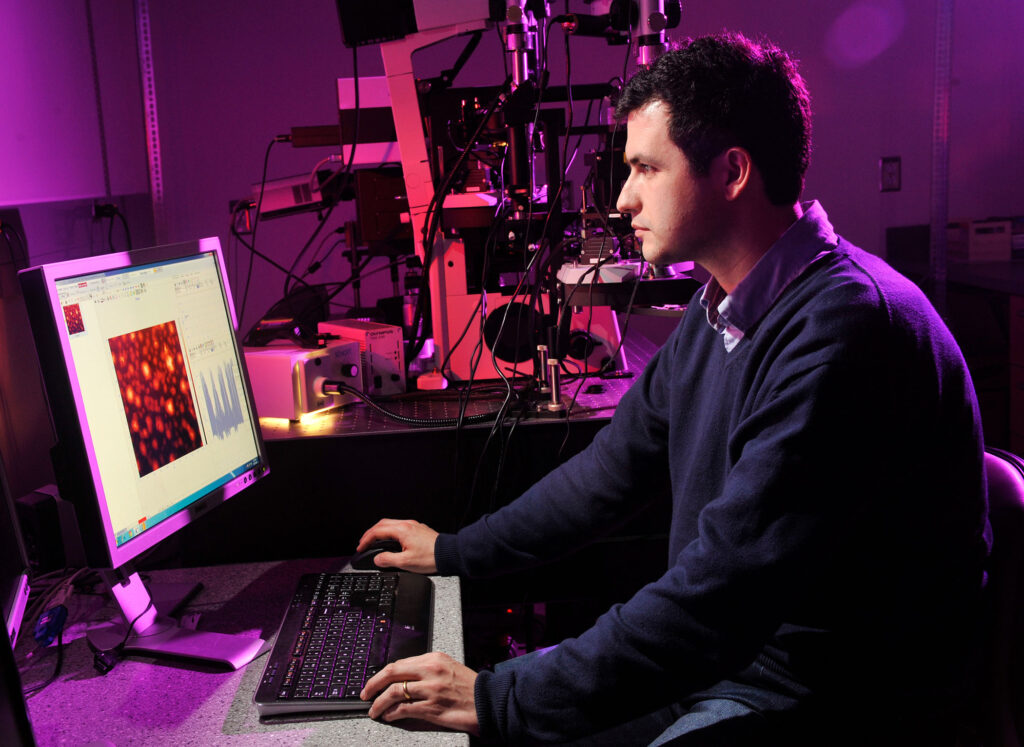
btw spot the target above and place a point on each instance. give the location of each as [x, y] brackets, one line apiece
[477, 353]
[317, 262]
[106, 659]
[9, 231]
[255, 225]
[357, 272]
[501, 44]
[340, 387]
[502, 454]
[110, 230]
[448, 76]
[542, 76]
[596, 268]
[579, 139]
[622, 337]
[51, 612]
[345, 283]
[128, 633]
[110, 234]
[553, 202]
[10, 248]
[290, 275]
[496, 226]
[465, 393]
[252, 250]
[57, 594]
[33, 689]
[434, 209]
[504, 211]
[532, 263]
[347, 169]
[127, 233]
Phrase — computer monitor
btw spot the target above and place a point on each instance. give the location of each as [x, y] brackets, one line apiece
[153, 415]
[15, 726]
[14, 566]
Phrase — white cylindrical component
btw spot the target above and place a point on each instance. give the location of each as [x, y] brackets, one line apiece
[556, 404]
[542, 369]
[650, 38]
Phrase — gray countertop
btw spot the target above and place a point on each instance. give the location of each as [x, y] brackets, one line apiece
[152, 701]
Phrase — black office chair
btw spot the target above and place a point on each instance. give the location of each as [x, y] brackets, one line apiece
[1003, 688]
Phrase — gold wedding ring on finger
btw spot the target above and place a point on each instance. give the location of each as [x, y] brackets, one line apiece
[405, 690]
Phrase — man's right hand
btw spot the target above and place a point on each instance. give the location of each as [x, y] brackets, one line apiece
[417, 542]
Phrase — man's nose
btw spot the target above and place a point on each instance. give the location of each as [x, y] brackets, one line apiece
[627, 200]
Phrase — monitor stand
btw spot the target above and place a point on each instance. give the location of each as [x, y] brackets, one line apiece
[154, 632]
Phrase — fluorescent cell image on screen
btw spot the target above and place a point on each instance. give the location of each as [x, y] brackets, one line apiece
[150, 368]
[73, 317]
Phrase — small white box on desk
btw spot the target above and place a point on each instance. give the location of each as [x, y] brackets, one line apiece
[382, 349]
[287, 379]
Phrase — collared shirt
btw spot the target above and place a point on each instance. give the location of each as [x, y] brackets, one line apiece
[807, 240]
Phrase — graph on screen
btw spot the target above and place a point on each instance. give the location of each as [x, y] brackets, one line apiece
[219, 389]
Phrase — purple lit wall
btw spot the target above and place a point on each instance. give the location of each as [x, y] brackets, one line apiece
[50, 132]
[55, 158]
[230, 75]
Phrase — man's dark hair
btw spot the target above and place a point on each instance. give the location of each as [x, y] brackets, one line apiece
[726, 90]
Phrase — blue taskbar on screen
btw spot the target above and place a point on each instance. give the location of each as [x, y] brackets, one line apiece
[147, 522]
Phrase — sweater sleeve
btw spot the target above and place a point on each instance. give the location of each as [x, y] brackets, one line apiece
[622, 470]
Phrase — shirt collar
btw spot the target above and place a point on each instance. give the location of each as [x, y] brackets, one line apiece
[808, 239]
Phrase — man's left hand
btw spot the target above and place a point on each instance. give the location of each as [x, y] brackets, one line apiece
[433, 688]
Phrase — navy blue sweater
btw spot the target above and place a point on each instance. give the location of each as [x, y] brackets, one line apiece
[828, 515]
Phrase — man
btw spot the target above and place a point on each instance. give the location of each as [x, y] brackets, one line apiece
[815, 428]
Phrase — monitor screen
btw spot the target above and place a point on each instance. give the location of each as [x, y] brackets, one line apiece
[147, 390]
[153, 414]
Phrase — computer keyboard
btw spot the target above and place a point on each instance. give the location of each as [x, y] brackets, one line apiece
[339, 630]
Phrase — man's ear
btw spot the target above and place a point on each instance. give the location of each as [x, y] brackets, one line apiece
[737, 171]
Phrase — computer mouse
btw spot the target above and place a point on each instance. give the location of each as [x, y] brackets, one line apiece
[363, 561]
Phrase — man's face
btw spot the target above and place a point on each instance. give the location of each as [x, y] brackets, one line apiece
[673, 210]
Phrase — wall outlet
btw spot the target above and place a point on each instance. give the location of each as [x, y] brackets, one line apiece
[889, 168]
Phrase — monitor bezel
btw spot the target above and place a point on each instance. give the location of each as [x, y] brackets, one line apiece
[75, 465]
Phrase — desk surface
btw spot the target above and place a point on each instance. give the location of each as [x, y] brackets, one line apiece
[149, 701]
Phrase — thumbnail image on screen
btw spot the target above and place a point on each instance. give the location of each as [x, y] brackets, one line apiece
[73, 317]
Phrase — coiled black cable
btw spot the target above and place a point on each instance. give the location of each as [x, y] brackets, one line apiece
[340, 387]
